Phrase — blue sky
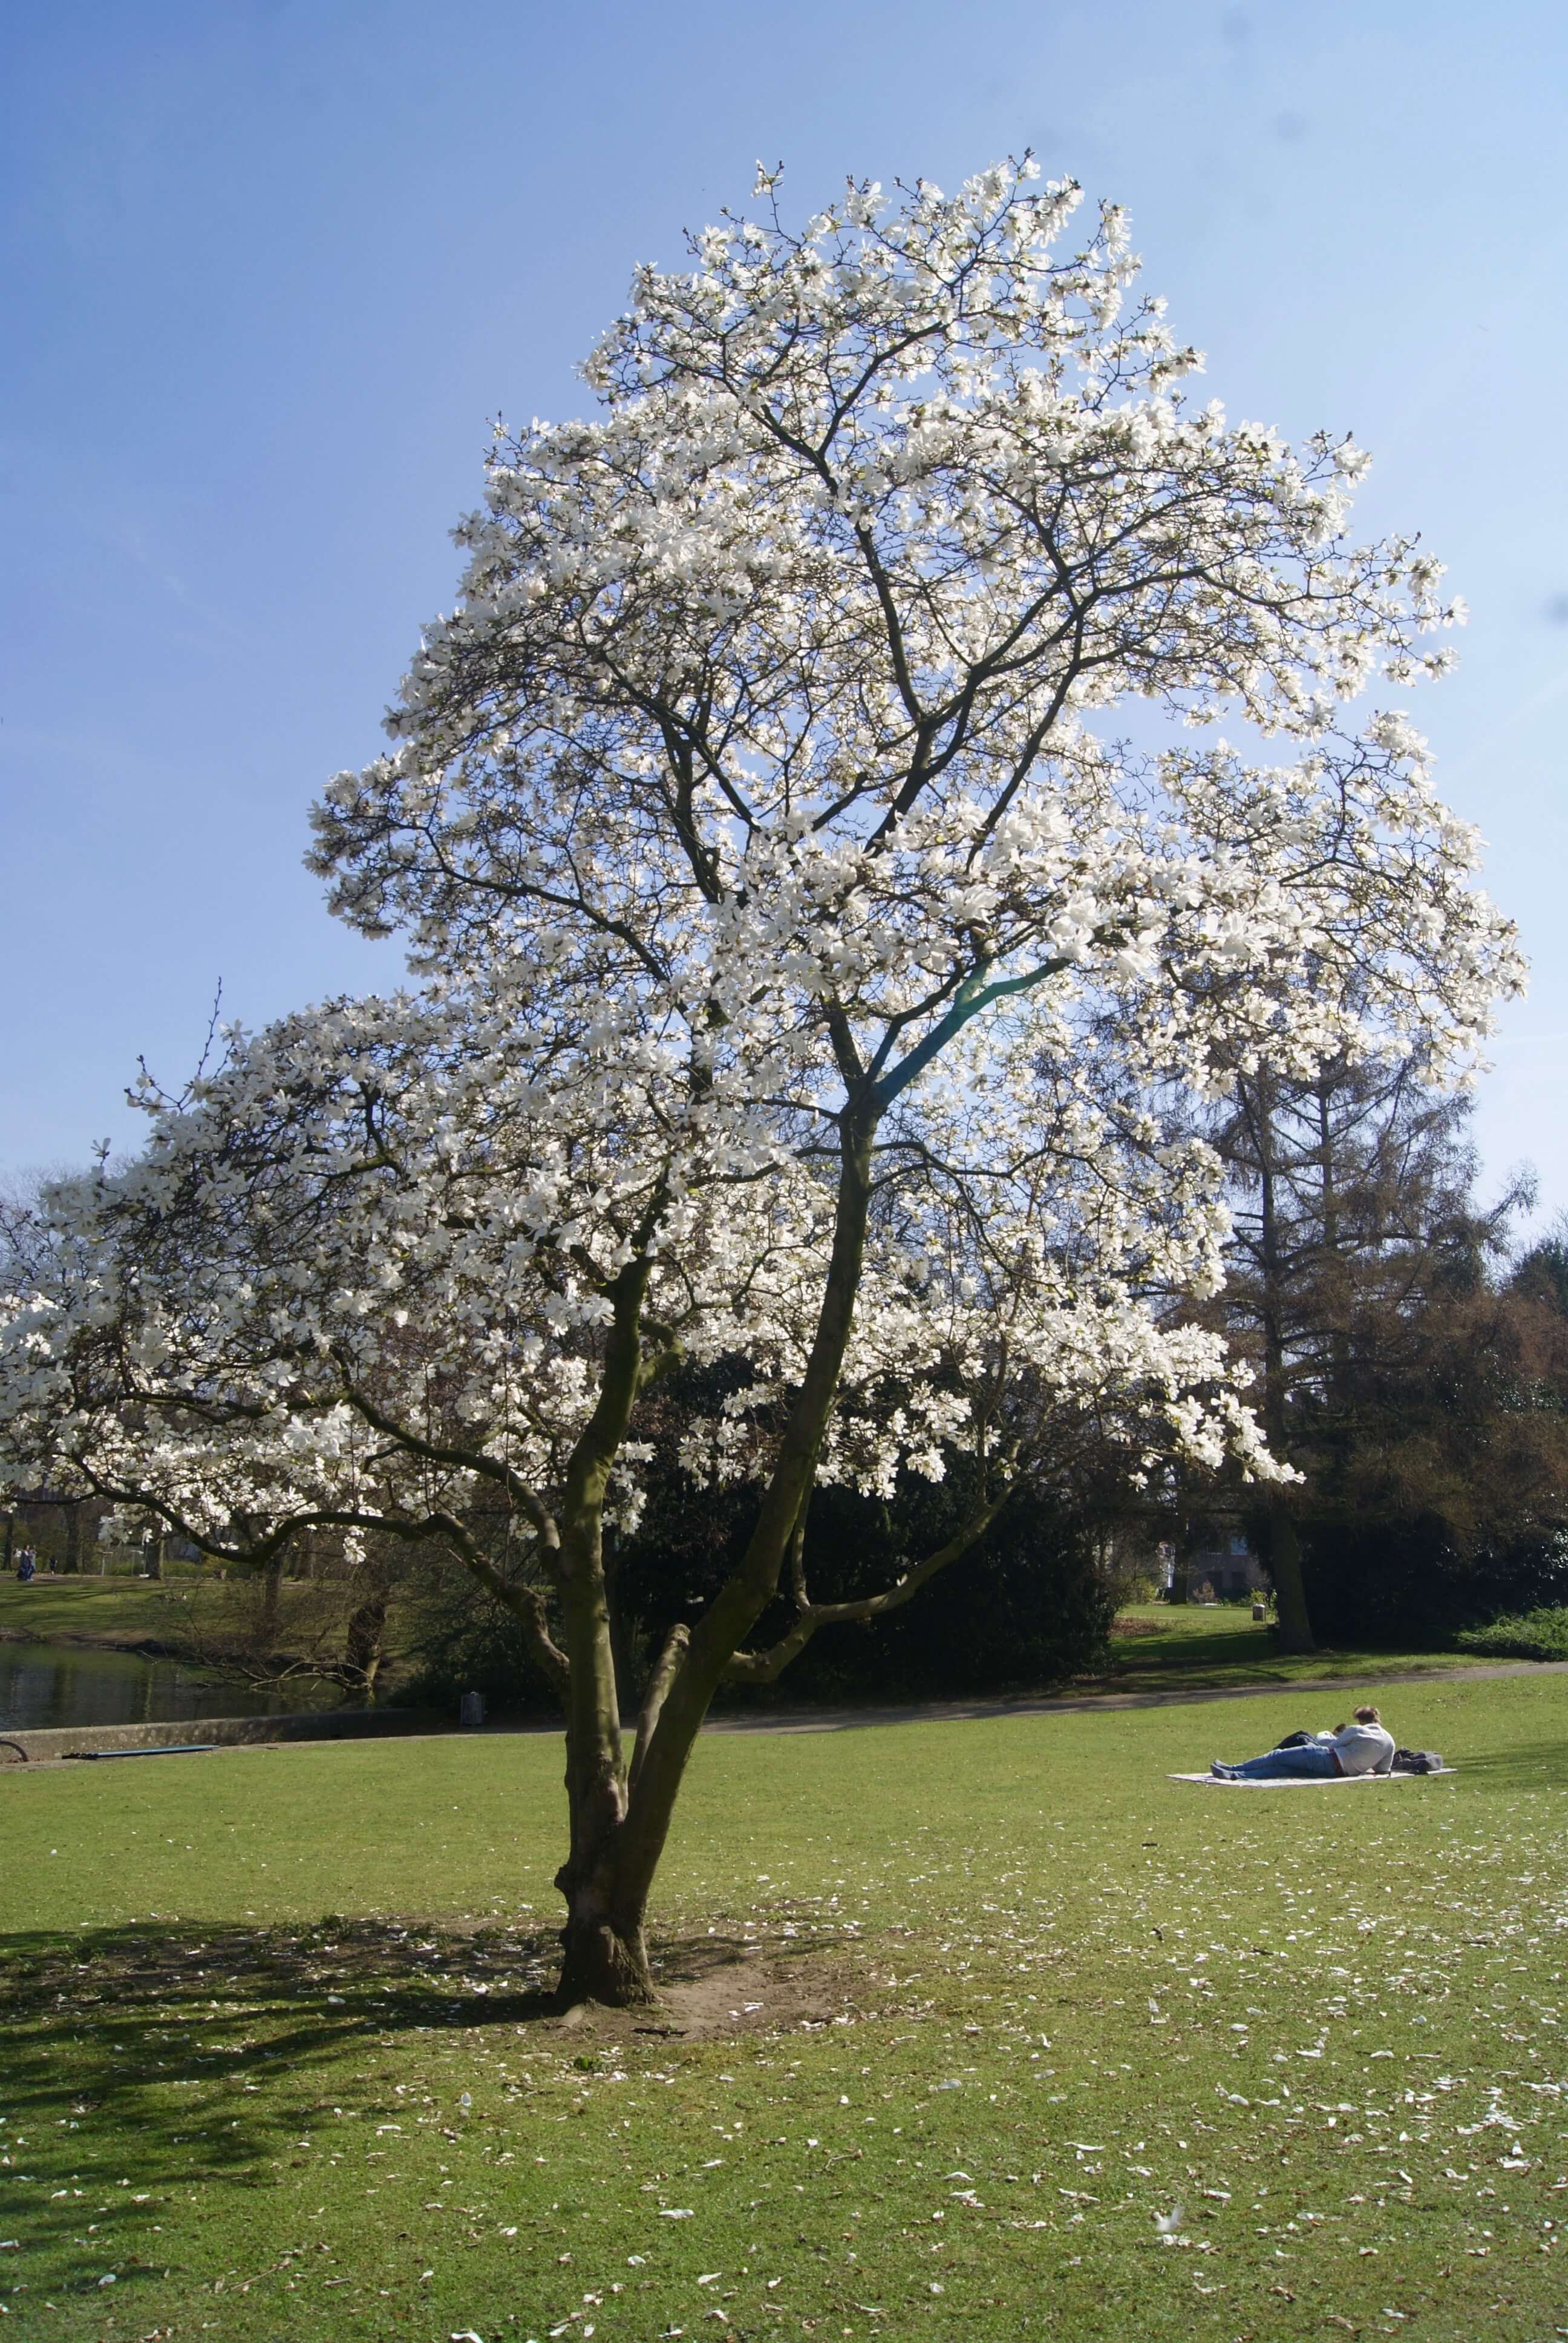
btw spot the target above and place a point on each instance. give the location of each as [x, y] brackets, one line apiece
[269, 269]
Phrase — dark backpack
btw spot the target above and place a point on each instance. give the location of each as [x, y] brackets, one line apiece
[1417, 1761]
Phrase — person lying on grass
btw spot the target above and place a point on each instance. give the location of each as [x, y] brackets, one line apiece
[1363, 1747]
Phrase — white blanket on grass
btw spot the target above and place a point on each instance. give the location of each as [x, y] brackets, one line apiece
[1306, 1781]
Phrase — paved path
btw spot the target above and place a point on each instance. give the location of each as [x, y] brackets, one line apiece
[50, 1746]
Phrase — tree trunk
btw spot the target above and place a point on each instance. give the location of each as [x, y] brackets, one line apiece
[271, 1587]
[619, 1825]
[752, 1584]
[605, 1955]
[620, 1645]
[362, 1642]
[73, 1539]
[1295, 1628]
[604, 1949]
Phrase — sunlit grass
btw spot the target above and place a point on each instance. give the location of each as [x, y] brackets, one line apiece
[1200, 1646]
[1056, 1997]
[50, 1608]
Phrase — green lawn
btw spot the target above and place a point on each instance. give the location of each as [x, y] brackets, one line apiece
[129, 1610]
[126, 1608]
[1019, 1995]
[1187, 1646]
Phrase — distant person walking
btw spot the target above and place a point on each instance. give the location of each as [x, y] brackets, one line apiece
[1365, 1746]
[26, 1568]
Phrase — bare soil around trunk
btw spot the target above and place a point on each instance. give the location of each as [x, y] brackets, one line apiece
[713, 1987]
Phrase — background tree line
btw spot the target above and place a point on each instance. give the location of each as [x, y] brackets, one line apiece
[1412, 1359]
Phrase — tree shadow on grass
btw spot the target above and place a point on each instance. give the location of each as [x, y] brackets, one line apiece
[135, 2063]
[1528, 1765]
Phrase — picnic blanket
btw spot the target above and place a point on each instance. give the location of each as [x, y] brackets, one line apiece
[1307, 1781]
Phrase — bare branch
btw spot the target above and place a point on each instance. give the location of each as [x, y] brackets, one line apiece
[659, 1683]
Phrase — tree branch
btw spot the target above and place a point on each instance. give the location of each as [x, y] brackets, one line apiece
[528, 1604]
[766, 1667]
[974, 994]
[659, 1683]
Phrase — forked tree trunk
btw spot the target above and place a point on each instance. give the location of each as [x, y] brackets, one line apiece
[621, 1820]
[604, 1948]
[608, 1873]
[617, 1843]
[620, 1815]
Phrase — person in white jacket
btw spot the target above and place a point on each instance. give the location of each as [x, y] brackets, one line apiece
[1365, 1746]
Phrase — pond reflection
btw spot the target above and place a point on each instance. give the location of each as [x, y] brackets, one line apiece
[44, 1684]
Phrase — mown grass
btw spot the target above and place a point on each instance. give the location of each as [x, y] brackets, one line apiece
[184, 1616]
[51, 1609]
[1055, 1995]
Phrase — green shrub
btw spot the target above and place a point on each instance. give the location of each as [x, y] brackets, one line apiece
[1527, 1635]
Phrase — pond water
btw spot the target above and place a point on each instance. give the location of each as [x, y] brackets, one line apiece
[44, 1684]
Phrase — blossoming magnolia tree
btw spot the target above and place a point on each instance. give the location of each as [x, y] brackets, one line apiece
[400, 1265]
[803, 947]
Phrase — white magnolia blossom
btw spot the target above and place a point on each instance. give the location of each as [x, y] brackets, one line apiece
[362, 1274]
[777, 687]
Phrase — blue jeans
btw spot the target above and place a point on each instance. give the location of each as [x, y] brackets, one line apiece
[1316, 1763]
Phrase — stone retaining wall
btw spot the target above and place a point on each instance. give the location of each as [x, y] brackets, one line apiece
[59, 1742]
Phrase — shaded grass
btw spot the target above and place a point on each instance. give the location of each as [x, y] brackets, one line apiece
[1080, 1994]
